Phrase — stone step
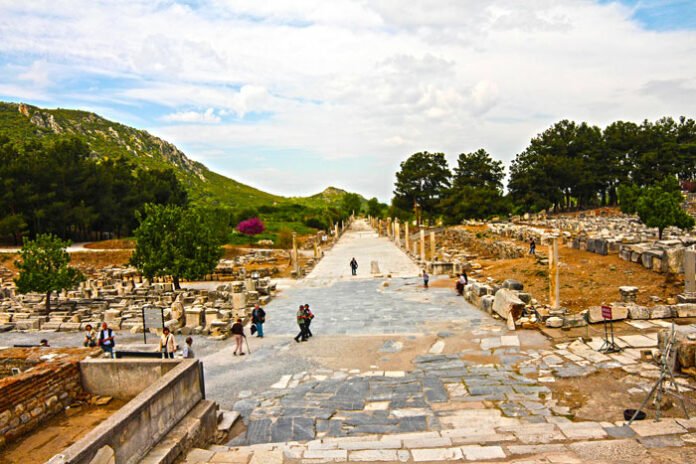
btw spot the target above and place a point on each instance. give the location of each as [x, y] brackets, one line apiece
[195, 429]
[226, 420]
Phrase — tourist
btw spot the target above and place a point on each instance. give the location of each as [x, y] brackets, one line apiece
[354, 266]
[258, 318]
[90, 337]
[167, 344]
[44, 342]
[187, 352]
[426, 278]
[301, 321]
[238, 332]
[532, 247]
[308, 320]
[461, 283]
[107, 340]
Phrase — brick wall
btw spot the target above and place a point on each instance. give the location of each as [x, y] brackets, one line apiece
[37, 394]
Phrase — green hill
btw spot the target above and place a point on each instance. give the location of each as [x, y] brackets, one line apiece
[107, 139]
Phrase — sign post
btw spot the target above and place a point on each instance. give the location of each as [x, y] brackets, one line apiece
[152, 318]
[609, 345]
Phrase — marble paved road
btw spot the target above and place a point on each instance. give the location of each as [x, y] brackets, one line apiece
[363, 244]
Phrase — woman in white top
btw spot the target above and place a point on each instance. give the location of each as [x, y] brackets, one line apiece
[167, 344]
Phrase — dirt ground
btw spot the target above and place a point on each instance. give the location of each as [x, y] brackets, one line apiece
[57, 434]
[587, 279]
[603, 396]
[114, 244]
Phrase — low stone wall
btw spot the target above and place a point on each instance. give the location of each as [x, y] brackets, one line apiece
[37, 394]
[146, 419]
[123, 378]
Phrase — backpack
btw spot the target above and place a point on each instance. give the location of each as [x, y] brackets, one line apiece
[253, 329]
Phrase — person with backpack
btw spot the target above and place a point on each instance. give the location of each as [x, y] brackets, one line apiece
[107, 340]
[167, 344]
[308, 320]
[258, 318]
[354, 266]
[302, 322]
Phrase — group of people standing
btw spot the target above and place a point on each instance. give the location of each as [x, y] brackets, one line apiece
[106, 340]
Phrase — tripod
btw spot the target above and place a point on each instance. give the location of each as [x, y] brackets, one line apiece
[666, 379]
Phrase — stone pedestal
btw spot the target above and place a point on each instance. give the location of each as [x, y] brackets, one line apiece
[239, 300]
[628, 294]
[195, 317]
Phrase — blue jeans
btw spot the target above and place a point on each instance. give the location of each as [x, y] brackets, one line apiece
[259, 329]
[108, 349]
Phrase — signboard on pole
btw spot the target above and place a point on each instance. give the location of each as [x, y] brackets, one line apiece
[606, 312]
[153, 318]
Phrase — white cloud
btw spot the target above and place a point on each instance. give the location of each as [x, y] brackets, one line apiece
[193, 116]
[344, 80]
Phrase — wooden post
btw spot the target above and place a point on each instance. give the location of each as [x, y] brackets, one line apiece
[554, 284]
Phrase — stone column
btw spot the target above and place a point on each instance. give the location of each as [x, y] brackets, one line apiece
[316, 249]
[397, 233]
[406, 238]
[295, 256]
[689, 295]
[422, 245]
[336, 230]
[554, 284]
[433, 249]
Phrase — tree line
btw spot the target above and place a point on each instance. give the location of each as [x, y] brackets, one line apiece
[569, 166]
[61, 188]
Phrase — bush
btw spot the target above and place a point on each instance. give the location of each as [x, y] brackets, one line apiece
[284, 238]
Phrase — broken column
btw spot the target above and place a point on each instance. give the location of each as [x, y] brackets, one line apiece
[295, 256]
[554, 286]
[397, 233]
[422, 245]
[689, 295]
[628, 293]
[406, 237]
[433, 250]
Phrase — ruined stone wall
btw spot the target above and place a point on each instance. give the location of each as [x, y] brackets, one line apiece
[34, 396]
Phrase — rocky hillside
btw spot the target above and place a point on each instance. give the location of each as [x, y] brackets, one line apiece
[107, 139]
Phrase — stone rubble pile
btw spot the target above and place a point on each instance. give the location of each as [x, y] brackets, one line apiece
[622, 235]
[119, 301]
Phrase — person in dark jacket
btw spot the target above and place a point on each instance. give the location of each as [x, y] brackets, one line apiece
[532, 246]
[354, 266]
[308, 319]
[107, 340]
[258, 318]
[238, 332]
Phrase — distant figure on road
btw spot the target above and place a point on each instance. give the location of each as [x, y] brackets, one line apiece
[238, 332]
[426, 278]
[354, 266]
[188, 351]
[532, 247]
[308, 320]
[44, 342]
[106, 339]
[301, 321]
[167, 344]
[258, 318]
[463, 280]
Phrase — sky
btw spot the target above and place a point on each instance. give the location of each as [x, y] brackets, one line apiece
[293, 96]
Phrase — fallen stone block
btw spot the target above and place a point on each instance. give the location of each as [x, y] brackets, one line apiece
[506, 301]
[618, 313]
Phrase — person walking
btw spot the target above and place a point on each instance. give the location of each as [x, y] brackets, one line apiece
[354, 266]
[301, 321]
[167, 344]
[308, 320]
[107, 340]
[426, 278]
[258, 318]
[461, 283]
[187, 352]
[238, 332]
[532, 247]
[90, 337]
